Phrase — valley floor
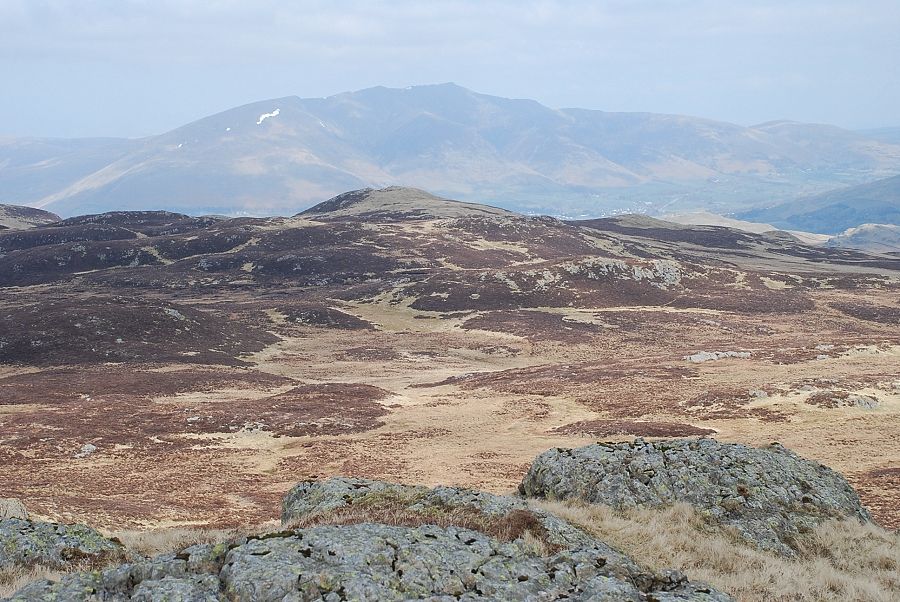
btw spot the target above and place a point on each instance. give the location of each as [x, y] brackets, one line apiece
[458, 398]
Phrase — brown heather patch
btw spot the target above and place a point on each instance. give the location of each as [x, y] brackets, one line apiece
[63, 385]
[325, 409]
[828, 399]
[536, 325]
[365, 354]
[750, 301]
[608, 428]
[878, 491]
[869, 312]
[320, 409]
[717, 404]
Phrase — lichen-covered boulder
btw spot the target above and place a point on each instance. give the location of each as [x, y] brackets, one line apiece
[25, 543]
[769, 495]
[364, 562]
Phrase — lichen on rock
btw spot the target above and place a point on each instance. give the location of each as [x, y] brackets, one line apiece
[364, 562]
[769, 495]
[25, 543]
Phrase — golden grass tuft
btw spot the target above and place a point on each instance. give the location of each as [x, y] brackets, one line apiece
[11, 507]
[840, 560]
[175, 539]
[12, 580]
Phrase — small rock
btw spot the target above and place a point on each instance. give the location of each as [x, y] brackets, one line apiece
[86, 450]
[710, 356]
[862, 401]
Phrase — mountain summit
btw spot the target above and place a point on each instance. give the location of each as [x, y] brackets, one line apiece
[281, 155]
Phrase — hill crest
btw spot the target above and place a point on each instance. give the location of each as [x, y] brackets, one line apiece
[397, 202]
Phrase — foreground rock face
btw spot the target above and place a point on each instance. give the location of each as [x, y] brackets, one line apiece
[25, 543]
[426, 556]
[337, 497]
[363, 562]
[770, 495]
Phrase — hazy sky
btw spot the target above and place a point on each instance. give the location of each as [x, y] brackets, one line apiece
[138, 67]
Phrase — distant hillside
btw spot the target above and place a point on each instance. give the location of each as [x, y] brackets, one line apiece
[879, 238]
[282, 155]
[397, 203]
[834, 212]
[890, 135]
[14, 217]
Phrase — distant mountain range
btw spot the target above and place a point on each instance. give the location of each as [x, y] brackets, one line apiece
[283, 155]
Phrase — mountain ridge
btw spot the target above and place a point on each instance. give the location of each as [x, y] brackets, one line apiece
[282, 155]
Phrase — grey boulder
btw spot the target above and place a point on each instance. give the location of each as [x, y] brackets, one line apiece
[769, 495]
[26, 543]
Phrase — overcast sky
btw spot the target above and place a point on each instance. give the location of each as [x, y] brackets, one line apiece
[139, 67]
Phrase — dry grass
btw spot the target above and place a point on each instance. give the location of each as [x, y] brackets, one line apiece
[841, 560]
[12, 508]
[517, 524]
[12, 580]
[162, 541]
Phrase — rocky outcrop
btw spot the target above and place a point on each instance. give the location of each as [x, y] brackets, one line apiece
[363, 562]
[769, 495]
[25, 543]
[503, 517]
[423, 554]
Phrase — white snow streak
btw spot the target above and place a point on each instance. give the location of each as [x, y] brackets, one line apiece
[265, 116]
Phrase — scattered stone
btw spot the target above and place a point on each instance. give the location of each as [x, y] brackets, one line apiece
[12, 508]
[710, 356]
[769, 495]
[758, 394]
[638, 428]
[25, 543]
[865, 402]
[86, 450]
[836, 398]
[824, 347]
[365, 562]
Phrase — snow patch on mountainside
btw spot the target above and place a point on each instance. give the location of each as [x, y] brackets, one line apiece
[265, 116]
